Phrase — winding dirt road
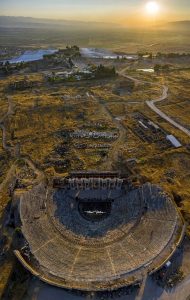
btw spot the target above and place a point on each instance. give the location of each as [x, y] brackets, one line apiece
[151, 103]
[152, 106]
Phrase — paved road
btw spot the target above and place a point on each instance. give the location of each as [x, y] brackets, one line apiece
[152, 106]
[40, 291]
[152, 291]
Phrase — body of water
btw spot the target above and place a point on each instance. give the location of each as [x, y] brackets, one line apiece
[104, 54]
[31, 55]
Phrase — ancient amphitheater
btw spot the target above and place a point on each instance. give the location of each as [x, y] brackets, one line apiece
[97, 232]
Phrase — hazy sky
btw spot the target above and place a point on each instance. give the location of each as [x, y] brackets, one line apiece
[118, 11]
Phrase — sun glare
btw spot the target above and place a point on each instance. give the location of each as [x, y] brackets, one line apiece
[152, 7]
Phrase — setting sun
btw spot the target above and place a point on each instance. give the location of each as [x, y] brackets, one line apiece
[152, 7]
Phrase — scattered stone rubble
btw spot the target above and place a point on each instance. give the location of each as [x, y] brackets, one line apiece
[94, 135]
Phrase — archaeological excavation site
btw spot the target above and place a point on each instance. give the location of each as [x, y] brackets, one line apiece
[94, 231]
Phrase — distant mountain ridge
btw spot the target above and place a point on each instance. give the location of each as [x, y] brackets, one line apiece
[183, 22]
[177, 25]
[29, 22]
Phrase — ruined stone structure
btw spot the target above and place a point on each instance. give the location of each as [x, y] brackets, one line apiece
[94, 183]
[94, 231]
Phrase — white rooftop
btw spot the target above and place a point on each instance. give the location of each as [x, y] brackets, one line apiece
[173, 140]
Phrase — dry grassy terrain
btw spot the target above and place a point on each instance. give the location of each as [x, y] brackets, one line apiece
[44, 117]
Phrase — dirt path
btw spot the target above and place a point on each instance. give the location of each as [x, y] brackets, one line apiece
[11, 171]
[113, 152]
[9, 112]
[40, 175]
[8, 178]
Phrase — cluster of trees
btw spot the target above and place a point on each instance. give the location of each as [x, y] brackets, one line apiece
[7, 68]
[49, 56]
[150, 55]
[172, 55]
[102, 71]
[70, 51]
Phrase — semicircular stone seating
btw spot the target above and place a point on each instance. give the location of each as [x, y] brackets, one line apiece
[141, 227]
